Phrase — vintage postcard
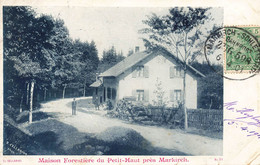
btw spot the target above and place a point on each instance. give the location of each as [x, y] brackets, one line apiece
[130, 83]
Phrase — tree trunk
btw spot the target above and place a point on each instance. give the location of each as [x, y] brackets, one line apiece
[45, 93]
[31, 102]
[84, 90]
[184, 101]
[184, 84]
[27, 93]
[21, 104]
[64, 90]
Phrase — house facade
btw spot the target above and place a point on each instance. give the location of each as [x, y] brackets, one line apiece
[140, 75]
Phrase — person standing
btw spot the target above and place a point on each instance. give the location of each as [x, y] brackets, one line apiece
[74, 106]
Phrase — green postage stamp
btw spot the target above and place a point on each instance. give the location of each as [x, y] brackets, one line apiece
[242, 53]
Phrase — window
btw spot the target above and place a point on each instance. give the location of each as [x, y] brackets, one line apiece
[96, 91]
[111, 93]
[176, 71]
[140, 71]
[140, 95]
[177, 95]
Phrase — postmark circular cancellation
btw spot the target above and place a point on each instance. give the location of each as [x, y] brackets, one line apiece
[236, 50]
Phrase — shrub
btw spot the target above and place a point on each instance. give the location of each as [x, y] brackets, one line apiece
[160, 99]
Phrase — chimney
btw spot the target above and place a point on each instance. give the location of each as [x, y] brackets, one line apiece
[136, 49]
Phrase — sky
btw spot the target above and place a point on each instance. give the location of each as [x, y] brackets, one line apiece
[109, 26]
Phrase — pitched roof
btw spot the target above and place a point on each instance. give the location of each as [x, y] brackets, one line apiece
[130, 61]
[97, 83]
[196, 71]
[125, 64]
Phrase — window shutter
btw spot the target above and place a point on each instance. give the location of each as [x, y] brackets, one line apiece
[134, 94]
[182, 72]
[134, 72]
[172, 72]
[176, 71]
[146, 95]
[181, 96]
[146, 71]
[172, 95]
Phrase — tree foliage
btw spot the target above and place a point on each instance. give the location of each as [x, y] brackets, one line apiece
[38, 51]
[210, 87]
[109, 59]
[88, 59]
[180, 32]
[160, 99]
[26, 46]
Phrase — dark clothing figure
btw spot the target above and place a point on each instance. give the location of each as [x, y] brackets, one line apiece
[74, 106]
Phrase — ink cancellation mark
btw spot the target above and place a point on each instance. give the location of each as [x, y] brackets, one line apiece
[236, 49]
[242, 49]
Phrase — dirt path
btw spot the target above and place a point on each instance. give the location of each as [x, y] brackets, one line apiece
[159, 137]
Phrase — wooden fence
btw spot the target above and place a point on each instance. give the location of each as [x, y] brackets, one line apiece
[207, 119]
[157, 114]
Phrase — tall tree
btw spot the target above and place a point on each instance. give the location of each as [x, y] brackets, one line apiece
[109, 59]
[89, 63]
[65, 66]
[26, 45]
[180, 33]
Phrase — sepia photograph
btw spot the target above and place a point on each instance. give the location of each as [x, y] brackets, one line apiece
[112, 81]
